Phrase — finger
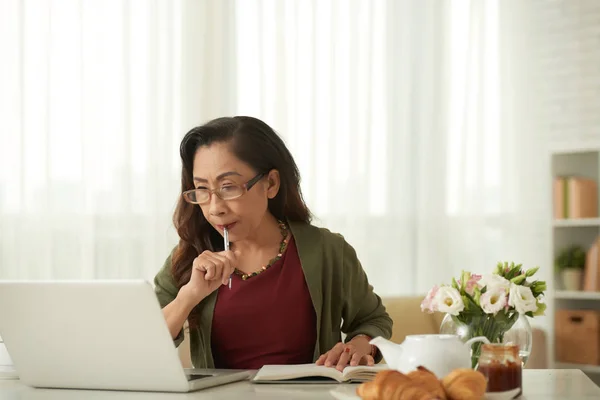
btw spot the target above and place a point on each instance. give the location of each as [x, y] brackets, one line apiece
[208, 267]
[227, 266]
[344, 358]
[222, 264]
[232, 256]
[321, 360]
[356, 359]
[198, 267]
[368, 360]
[334, 355]
[217, 267]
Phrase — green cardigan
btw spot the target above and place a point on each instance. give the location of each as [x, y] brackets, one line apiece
[343, 299]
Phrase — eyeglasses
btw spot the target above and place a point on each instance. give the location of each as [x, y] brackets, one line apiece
[227, 192]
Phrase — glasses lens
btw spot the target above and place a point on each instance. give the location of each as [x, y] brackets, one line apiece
[197, 196]
[230, 192]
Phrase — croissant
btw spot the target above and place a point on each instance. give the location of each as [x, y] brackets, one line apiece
[428, 381]
[464, 384]
[393, 385]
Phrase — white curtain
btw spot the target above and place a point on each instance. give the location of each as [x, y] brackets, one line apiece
[402, 116]
[90, 117]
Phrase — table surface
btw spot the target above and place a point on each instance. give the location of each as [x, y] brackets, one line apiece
[544, 384]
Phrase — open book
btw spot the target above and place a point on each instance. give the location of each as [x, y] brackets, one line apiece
[311, 373]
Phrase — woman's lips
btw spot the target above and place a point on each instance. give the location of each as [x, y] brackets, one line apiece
[228, 226]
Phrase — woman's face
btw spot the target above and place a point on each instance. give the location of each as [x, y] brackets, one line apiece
[215, 166]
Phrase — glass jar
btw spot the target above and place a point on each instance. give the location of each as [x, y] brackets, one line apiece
[501, 365]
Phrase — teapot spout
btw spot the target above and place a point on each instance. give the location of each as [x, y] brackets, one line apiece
[391, 351]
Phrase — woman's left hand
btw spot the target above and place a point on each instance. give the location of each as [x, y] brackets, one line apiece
[355, 352]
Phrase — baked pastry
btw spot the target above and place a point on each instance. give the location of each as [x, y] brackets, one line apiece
[394, 385]
[464, 384]
[428, 381]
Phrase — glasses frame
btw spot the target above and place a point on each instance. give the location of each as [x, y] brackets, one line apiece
[245, 186]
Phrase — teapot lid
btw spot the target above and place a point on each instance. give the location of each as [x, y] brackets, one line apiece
[427, 336]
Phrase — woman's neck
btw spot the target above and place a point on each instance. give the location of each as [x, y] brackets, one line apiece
[267, 235]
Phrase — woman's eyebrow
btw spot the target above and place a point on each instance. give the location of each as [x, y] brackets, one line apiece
[221, 176]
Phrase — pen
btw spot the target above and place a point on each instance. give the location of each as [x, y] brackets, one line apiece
[226, 239]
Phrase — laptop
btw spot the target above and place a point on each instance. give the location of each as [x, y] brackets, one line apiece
[96, 334]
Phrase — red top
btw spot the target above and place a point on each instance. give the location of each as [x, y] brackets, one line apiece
[266, 319]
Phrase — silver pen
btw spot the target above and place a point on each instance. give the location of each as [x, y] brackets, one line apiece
[226, 239]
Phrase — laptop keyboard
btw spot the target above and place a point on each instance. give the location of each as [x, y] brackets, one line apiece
[193, 377]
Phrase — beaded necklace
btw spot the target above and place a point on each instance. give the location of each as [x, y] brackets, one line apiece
[282, 246]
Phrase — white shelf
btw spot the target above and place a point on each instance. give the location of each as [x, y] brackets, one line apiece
[574, 223]
[574, 147]
[579, 158]
[592, 369]
[576, 295]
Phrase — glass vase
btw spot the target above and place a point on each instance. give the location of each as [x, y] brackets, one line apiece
[519, 333]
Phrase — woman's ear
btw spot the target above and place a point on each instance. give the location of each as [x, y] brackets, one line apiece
[273, 183]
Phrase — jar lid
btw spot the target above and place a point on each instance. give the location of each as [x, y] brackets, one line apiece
[501, 348]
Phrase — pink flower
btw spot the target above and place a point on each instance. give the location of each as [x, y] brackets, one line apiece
[428, 305]
[472, 284]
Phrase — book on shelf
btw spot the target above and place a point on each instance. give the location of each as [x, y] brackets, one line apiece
[575, 197]
[591, 274]
[312, 373]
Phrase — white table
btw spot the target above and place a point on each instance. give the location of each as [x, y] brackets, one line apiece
[537, 384]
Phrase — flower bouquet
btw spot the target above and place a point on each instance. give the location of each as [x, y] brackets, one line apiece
[489, 305]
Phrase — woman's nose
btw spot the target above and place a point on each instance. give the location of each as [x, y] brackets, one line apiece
[216, 205]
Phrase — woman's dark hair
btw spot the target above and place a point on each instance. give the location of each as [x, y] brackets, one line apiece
[255, 143]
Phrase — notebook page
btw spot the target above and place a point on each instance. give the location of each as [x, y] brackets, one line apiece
[363, 372]
[282, 372]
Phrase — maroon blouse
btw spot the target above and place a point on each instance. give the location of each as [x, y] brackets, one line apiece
[266, 319]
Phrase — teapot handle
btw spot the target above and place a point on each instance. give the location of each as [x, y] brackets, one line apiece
[477, 339]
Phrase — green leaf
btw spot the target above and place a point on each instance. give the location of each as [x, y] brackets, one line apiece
[530, 272]
[570, 257]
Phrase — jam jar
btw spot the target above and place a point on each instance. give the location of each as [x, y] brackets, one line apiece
[501, 365]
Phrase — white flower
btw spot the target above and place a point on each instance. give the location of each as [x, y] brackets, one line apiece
[493, 281]
[521, 298]
[448, 300]
[493, 300]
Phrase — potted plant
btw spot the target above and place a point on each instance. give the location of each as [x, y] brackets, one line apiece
[570, 263]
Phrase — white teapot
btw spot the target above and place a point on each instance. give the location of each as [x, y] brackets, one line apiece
[438, 353]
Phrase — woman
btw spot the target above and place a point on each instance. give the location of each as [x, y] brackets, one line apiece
[294, 287]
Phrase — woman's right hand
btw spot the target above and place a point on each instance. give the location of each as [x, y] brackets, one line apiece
[209, 271]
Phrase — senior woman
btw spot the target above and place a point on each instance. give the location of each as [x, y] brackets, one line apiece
[294, 287]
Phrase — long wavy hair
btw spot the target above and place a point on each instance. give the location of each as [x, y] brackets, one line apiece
[253, 142]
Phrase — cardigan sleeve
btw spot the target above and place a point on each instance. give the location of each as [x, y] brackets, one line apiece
[363, 311]
[166, 290]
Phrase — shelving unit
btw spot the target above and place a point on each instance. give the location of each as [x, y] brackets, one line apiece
[574, 223]
[576, 295]
[584, 161]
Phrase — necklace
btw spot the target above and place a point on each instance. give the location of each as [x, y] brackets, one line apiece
[282, 246]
